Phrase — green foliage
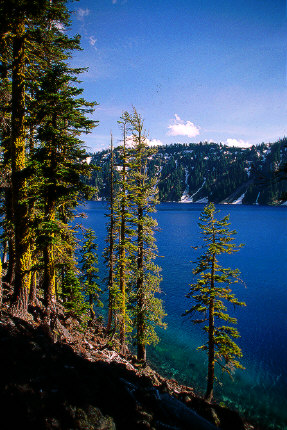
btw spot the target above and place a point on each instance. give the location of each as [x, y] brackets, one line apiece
[146, 307]
[136, 278]
[208, 170]
[211, 292]
[60, 170]
[89, 270]
[42, 115]
[74, 301]
[59, 157]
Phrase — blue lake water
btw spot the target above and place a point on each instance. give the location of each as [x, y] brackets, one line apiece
[260, 391]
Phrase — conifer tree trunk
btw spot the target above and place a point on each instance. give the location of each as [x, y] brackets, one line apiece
[122, 255]
[148, 311]
[33, 286]
[49, 280]
[210, 374]
[5, 256]
[49, 277]
[5, 139]
[111, 244]
[141, 348]
[211, 361]
[1, 291]
[33, 289]
[92, 312]
[10, 273]
[209, 291]
[8, 225]
[19, 194]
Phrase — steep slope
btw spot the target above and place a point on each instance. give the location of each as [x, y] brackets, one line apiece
[66, 379]
[210, 172]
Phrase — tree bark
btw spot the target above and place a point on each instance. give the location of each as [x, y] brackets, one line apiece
[33, 290]
[92, 312]
[211, 349]
[1, 290]
[210, 374]
[49, 277]
[10, 273]
[111, 245]
[141, 349]
[123, 257]
[5, 139]
[49, 284]
[19, 192]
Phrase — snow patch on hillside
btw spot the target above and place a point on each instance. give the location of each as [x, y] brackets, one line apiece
[199, 188]
[248, 171]
[88, 160]
[186, 198]
[239, 200]
[203, 200]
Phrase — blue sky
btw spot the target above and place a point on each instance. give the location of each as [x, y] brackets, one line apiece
[196, 70]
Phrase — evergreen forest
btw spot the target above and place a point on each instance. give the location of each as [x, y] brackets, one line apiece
[208, 172]
[47, 258]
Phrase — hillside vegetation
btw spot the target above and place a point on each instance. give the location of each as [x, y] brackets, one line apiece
[209, 172]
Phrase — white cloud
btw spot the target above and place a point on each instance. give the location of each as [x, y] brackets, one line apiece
[129, 141]
[180, 128]
[59, 26]
[81, 13]
[238, 143]
[92, 41]
[154, 142]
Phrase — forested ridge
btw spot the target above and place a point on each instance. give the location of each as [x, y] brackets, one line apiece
[210, 172]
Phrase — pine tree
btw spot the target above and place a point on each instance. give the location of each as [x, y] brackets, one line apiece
[29, 38]
[59, 163]
[74, 302]
[123, 243]
[1, 292]
[18, 164]
[211, 290]
[5, 131]
[110, 251]
[147, 308]
[89, 269]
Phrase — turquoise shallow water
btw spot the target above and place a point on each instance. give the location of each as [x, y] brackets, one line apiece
[260, 391]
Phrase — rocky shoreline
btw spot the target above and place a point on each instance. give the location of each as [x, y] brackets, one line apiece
[67, 378]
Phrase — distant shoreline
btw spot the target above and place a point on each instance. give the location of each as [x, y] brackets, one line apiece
[284, 204]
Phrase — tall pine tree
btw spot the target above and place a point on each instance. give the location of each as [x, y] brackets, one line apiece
[210, 292]
[60, 162]
[123, 216]
[30, 39]
[110, 250]
[89, 269]
[147, 310]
